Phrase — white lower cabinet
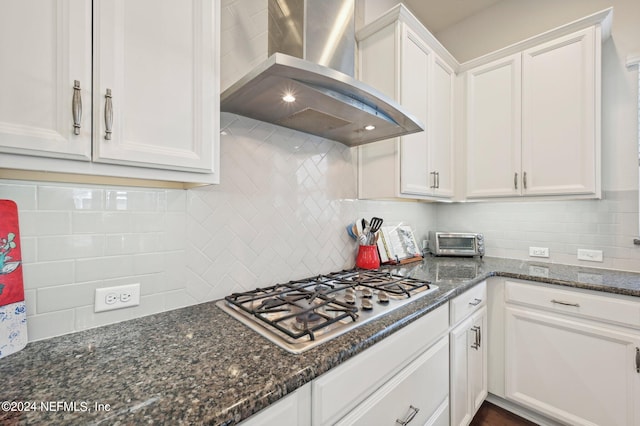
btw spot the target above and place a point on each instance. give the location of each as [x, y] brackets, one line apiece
[293, 410]
[573, 356]
[468, 355]
[405, 370]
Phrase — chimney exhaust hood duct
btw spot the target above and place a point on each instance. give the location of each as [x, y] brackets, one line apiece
[317, 94]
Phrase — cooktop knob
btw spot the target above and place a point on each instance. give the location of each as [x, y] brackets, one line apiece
[367, 292]
[383, 297]
[367, 305]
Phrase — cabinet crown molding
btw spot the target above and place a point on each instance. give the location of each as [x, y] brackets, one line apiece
[602, 18]
[400, 13]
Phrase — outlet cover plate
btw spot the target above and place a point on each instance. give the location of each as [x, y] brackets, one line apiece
[123, 296]
[539, 251]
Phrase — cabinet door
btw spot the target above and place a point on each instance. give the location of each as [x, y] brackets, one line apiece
[155, 63]
[440, 129]
[415, 69]
[576, 372]
[45, 46]
[468, 367]
[478, 360]
[559, 116]
[493, 128]
[460, 412]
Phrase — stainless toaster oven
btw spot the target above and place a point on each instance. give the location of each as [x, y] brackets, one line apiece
[456, 243]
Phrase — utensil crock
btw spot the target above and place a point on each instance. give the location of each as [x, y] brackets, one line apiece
[368, 257]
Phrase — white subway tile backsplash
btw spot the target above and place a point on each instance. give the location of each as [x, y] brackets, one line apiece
[70, 247]
[24, 195]
[100, 268]
[155, 262]
[30, 298]
[45, 274]
[62, 297]
[51, 324]
[69, 198]
[39, 223]
[83, 222]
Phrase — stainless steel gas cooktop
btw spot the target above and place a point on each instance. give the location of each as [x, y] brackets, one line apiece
[302, 314]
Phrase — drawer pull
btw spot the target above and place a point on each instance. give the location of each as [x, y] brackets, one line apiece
[412, 413]
[76, 107]
[637, 360]
[560, 302]
[475, 302]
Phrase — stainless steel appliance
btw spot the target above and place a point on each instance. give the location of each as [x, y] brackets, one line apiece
[307, 81]
[456, 243]
[302, 314]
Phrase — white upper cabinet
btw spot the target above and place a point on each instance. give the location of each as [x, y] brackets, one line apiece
[533, 115]
[158, 64]
[440, 128]
[400, 58]
[493, 128]
[154, 109]
[415, 70]
[560, 106]
[45, 47]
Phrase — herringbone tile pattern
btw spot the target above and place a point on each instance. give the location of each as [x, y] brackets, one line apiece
[278, 214]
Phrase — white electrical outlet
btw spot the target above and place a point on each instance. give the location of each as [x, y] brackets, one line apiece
[539, 251]
[110, 298]
[590, 255]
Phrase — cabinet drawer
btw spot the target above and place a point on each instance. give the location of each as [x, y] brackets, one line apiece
[420, 392]
[468, 302]
[343, 388]
[579, 303]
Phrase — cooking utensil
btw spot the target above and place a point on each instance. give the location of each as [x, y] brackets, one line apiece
[372, 229]
[375, 224]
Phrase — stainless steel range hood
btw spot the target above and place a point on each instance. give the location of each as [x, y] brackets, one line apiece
[317, 94]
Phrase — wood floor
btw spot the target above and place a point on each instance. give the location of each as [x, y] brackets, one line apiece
[492, 415]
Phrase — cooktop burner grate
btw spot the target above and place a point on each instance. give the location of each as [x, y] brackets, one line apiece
[302, 313]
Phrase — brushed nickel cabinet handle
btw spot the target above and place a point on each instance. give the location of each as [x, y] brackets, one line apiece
[637, 359]
[108, 115]
[476, 343]
[76, 107]
[515, 180]
[475, 302]
[438, 180]
[433, 186]
[412, 413]
[562, 302]
[524, 180]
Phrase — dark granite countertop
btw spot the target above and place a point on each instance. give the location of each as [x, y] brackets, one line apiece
[199, 365]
